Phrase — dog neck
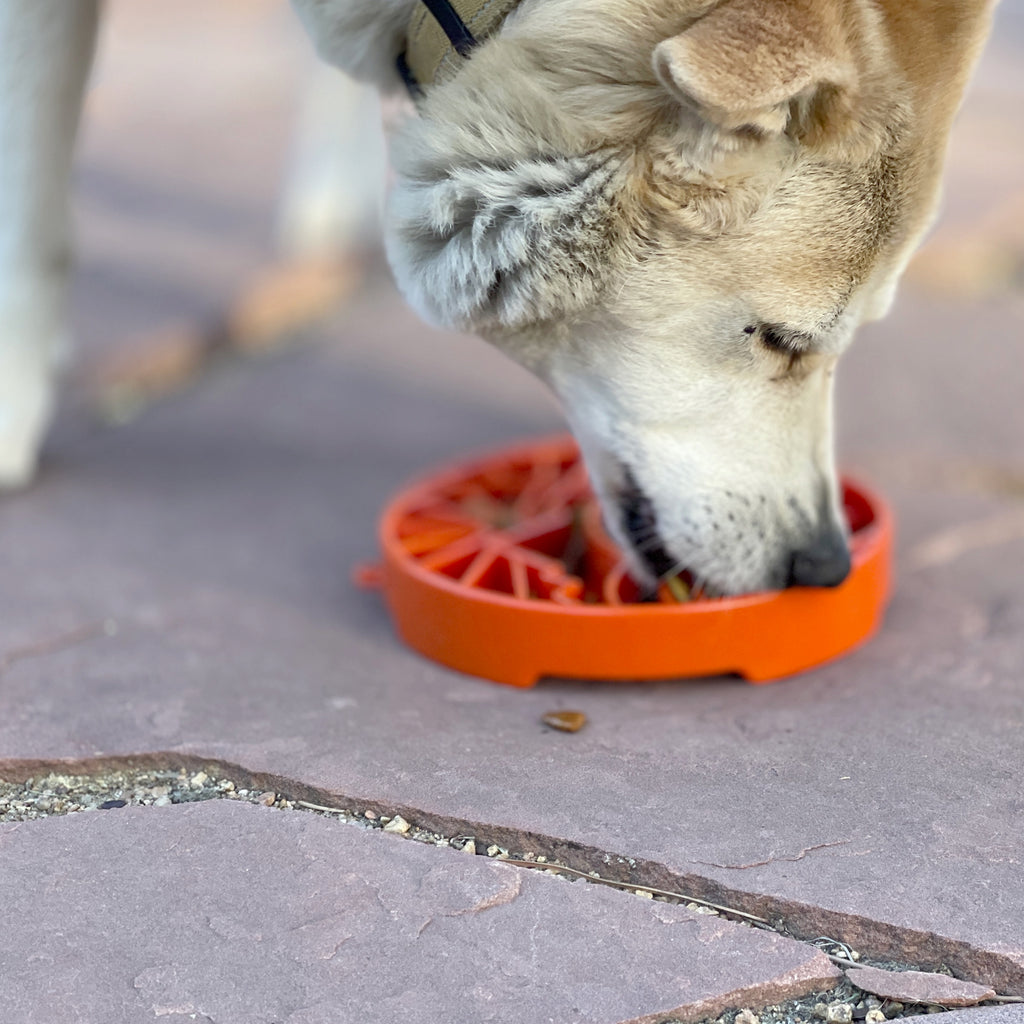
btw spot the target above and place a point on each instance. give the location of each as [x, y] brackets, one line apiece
[443, 33]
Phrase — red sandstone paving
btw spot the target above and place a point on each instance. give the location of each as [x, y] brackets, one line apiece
[919, 987]
[242, 915]
[986, 1015]
[216, 534]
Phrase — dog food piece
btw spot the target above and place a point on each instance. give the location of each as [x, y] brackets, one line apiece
[565, 721]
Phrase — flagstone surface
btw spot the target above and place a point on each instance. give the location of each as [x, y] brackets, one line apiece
[180, 586]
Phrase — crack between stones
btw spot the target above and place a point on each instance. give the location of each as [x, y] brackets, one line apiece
[874, 940]
[56, 644]
[772, 859]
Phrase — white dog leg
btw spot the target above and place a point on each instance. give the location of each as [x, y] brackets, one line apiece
[335, 186]
[45, 52]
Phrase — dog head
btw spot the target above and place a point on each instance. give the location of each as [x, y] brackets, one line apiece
[678, 220]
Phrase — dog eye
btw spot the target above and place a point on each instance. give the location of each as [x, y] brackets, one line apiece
[785, 340]
[778, 340]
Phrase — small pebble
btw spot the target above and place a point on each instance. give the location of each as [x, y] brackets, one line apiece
[398, 824]
[198, 780]
[370, 815]
[893, 1009]
[645, 895]
[469, 846]
[699, 908]
[820, 1010]
[268, 798]
[565, 721]
[839, 1013]
[109, 805]
[874, 1016]
[747, 1017]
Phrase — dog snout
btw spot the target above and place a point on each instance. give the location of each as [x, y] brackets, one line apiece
[825, 562]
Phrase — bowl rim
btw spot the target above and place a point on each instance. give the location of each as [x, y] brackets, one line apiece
[866, 543]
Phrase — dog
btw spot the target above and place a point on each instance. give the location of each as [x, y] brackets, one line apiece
[675, 212]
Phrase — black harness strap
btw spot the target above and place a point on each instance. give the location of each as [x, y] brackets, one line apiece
[462, 40]
[413, 87]
[452, 25]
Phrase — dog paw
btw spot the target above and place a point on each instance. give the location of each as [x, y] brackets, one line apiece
[26, 408]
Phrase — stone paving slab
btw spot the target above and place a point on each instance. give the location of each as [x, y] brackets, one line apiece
[181, 585]
[215, 536]
[986, 1015]
[239, 914]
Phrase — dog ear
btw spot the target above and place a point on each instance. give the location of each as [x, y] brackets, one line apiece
[492, 246]
[756, 69]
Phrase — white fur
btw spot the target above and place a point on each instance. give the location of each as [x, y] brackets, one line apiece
[484, 244]
[362, 37]
[45, 50]
[332, 202]
[621, 232]
[734, 501]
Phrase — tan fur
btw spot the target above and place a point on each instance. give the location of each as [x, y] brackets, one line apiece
[626, 195]
[677, 212]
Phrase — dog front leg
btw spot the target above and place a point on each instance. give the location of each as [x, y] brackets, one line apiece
[45, 51]
[335, 187]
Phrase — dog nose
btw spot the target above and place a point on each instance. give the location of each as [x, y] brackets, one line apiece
[824, 563]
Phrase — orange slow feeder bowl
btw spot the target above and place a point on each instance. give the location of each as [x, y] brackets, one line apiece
[477, 576]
